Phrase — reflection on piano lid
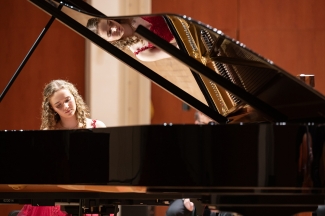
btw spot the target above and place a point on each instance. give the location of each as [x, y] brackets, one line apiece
[210, 71]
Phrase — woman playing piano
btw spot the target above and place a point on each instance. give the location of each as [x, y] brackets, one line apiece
[62, 108]
[121, 34]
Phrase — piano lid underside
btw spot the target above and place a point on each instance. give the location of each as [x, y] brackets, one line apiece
[233, 61]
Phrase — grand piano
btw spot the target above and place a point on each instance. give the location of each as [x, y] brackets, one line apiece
[263, 154]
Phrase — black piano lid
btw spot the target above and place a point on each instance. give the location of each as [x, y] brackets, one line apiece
[227, 81]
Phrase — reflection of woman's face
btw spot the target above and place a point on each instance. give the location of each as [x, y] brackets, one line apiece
[110, 30]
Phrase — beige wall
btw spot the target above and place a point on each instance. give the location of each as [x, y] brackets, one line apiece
[116, 93]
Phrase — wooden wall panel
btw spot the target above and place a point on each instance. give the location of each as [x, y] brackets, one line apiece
[290, 33]
[296, 51]
[61, 54]
[220, 14]
[281, 14]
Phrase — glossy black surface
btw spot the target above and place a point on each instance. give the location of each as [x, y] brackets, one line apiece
[210, 157]
[54, 157]
[248, 168]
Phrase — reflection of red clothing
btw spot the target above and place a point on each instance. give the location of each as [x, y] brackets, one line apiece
[160, 28]
[29, 210]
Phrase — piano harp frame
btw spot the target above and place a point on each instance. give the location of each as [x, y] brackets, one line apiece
[210, 74]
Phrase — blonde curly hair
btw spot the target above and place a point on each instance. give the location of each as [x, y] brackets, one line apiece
[92, 24]
[49, 117]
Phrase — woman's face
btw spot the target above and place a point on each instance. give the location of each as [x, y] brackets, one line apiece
[110, 30]
[63, 102]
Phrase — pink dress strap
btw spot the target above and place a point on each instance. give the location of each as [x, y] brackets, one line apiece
[93, 123]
